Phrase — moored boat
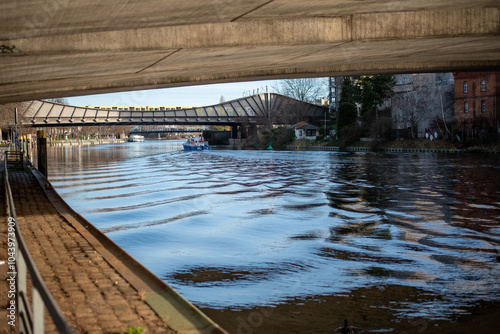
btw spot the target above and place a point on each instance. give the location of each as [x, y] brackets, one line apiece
[196, 143]
[135, 138]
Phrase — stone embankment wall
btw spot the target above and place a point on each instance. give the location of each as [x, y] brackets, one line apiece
[368, 149]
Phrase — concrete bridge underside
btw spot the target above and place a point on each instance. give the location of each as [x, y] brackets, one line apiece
[75, 47]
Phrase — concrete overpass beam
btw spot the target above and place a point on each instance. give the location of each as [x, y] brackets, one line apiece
[312, 30]
[262, 40]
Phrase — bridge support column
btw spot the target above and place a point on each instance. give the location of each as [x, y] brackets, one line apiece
[252, 130]
[236, 142]
[41, 141]
[235, 132]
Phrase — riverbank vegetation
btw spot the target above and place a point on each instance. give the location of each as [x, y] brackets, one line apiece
[365, 119]
[352, 136]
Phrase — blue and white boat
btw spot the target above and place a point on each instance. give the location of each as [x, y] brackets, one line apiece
[196, 143]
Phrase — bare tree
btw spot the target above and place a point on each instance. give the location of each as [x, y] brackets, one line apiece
[408, 111]
[419, 99]
[305, 90]
[7, 118]
[58, 100]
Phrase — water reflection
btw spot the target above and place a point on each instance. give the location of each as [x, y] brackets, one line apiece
[249, 230]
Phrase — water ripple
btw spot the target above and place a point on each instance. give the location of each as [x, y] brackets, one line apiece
[124, 227]
[236, 229]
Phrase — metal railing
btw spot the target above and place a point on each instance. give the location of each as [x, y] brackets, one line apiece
[30, 319]
[14, 159]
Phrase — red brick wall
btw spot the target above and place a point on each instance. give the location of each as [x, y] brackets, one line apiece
[478, 116]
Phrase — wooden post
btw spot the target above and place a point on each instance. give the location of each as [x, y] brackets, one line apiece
[24, 140]
[41, 138]
[16, 139]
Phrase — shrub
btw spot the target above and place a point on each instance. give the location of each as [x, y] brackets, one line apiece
[350, 134]
[347, 115]
[382, 128]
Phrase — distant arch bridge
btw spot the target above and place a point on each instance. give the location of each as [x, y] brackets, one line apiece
[256, 109]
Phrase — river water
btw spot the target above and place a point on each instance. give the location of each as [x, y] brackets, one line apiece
[296, 242]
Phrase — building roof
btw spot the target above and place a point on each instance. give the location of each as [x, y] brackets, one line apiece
[303, 126]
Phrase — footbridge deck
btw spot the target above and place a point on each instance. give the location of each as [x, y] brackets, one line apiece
[253, 109]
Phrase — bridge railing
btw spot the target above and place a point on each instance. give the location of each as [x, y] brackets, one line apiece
[30, 319]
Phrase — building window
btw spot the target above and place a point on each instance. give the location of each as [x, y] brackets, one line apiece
[466, 107]
[310, 133]
[483, 106]
[465, 87]
[483, 86]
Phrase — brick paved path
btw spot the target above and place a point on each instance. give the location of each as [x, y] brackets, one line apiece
[92, 295]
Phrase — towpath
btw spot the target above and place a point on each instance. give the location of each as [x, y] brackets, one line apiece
[92, 294]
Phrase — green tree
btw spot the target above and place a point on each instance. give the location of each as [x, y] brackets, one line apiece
[374, 90]
[370, 92]
[350, 92]
[347, 115]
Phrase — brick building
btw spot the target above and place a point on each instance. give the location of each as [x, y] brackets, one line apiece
[477, 104]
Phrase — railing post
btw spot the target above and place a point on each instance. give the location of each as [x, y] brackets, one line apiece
[21, 288]
[38, 310]
[16, 139]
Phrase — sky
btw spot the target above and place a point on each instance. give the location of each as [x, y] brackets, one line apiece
[191, 96]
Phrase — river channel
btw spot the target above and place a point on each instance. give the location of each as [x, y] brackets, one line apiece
[296, 241]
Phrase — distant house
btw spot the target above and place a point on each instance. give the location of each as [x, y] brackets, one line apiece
[305, 130]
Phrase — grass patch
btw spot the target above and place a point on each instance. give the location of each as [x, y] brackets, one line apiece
[135, 330]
